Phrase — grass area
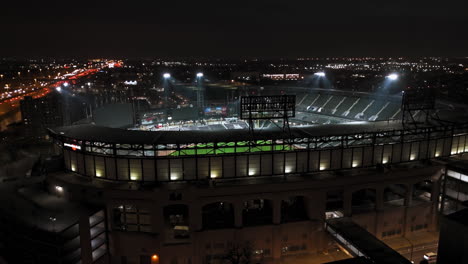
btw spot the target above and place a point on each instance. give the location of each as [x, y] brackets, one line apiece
[230, 147]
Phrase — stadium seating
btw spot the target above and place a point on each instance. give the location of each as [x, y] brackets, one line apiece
[348, 106]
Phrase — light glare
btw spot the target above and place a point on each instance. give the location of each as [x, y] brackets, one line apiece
[167, 76]
[392, 76]
[320, 74]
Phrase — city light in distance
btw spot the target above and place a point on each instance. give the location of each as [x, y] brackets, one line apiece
[200, 74]
[167, 76]
[392, 76]
[320, 74]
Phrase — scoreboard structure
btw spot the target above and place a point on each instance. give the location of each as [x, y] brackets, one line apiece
[417, 100]
[268, 107]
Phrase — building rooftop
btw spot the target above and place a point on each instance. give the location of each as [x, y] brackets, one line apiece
[460, 217]
[365, 242]
[40, 209]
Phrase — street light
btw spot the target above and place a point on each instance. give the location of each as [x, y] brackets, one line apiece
[167, 76]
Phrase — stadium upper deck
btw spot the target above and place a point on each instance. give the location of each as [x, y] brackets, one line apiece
[191, 155]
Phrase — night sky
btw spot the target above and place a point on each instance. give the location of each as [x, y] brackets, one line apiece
[222, 28]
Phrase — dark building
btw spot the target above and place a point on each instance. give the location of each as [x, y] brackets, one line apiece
[455, 188]
[53, 110]
[453, 242]
[41, 113]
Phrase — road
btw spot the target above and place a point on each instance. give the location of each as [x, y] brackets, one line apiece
[418, 251]
[9, 107]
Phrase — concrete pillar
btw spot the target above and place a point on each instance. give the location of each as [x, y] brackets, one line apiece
[195, 216]
[379, 198]
[276, 244]
[85, 240]
[238, 210]
[409, 195]
[407, 222]
[316, 205]
[347, 203]
[435, 193]
[157, 219]
[379, 223]
[309, 207]
[276, 203]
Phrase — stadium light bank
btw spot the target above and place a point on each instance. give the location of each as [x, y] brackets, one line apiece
[320, 74]
[392, 77]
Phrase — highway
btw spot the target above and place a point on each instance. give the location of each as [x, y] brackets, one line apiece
[9, 107]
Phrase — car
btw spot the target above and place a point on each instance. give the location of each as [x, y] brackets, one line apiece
[431, 257]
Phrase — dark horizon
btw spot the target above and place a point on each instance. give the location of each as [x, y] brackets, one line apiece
[265, 29]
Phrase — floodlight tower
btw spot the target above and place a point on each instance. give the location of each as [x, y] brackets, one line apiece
[200, 91]
[166, 77]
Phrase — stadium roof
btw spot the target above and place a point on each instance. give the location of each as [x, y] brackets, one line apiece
[116, 135]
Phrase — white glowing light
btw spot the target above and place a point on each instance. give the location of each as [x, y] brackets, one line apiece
[392, 76]
[65, 84]
[322, 167]
[355, 164]
[174, 176]
[412, 157]
[200, 74]
[98, 173]
[437, 154]
[166, 76]
[131, 82]
[133, 177]
[251, 172]
[59, 188]
[384, 161]
[58, 89]
[72, 146]
[288, 169]
[320, 74]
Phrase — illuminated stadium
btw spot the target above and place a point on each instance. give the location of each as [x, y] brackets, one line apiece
[186, 191]
[352, 134]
